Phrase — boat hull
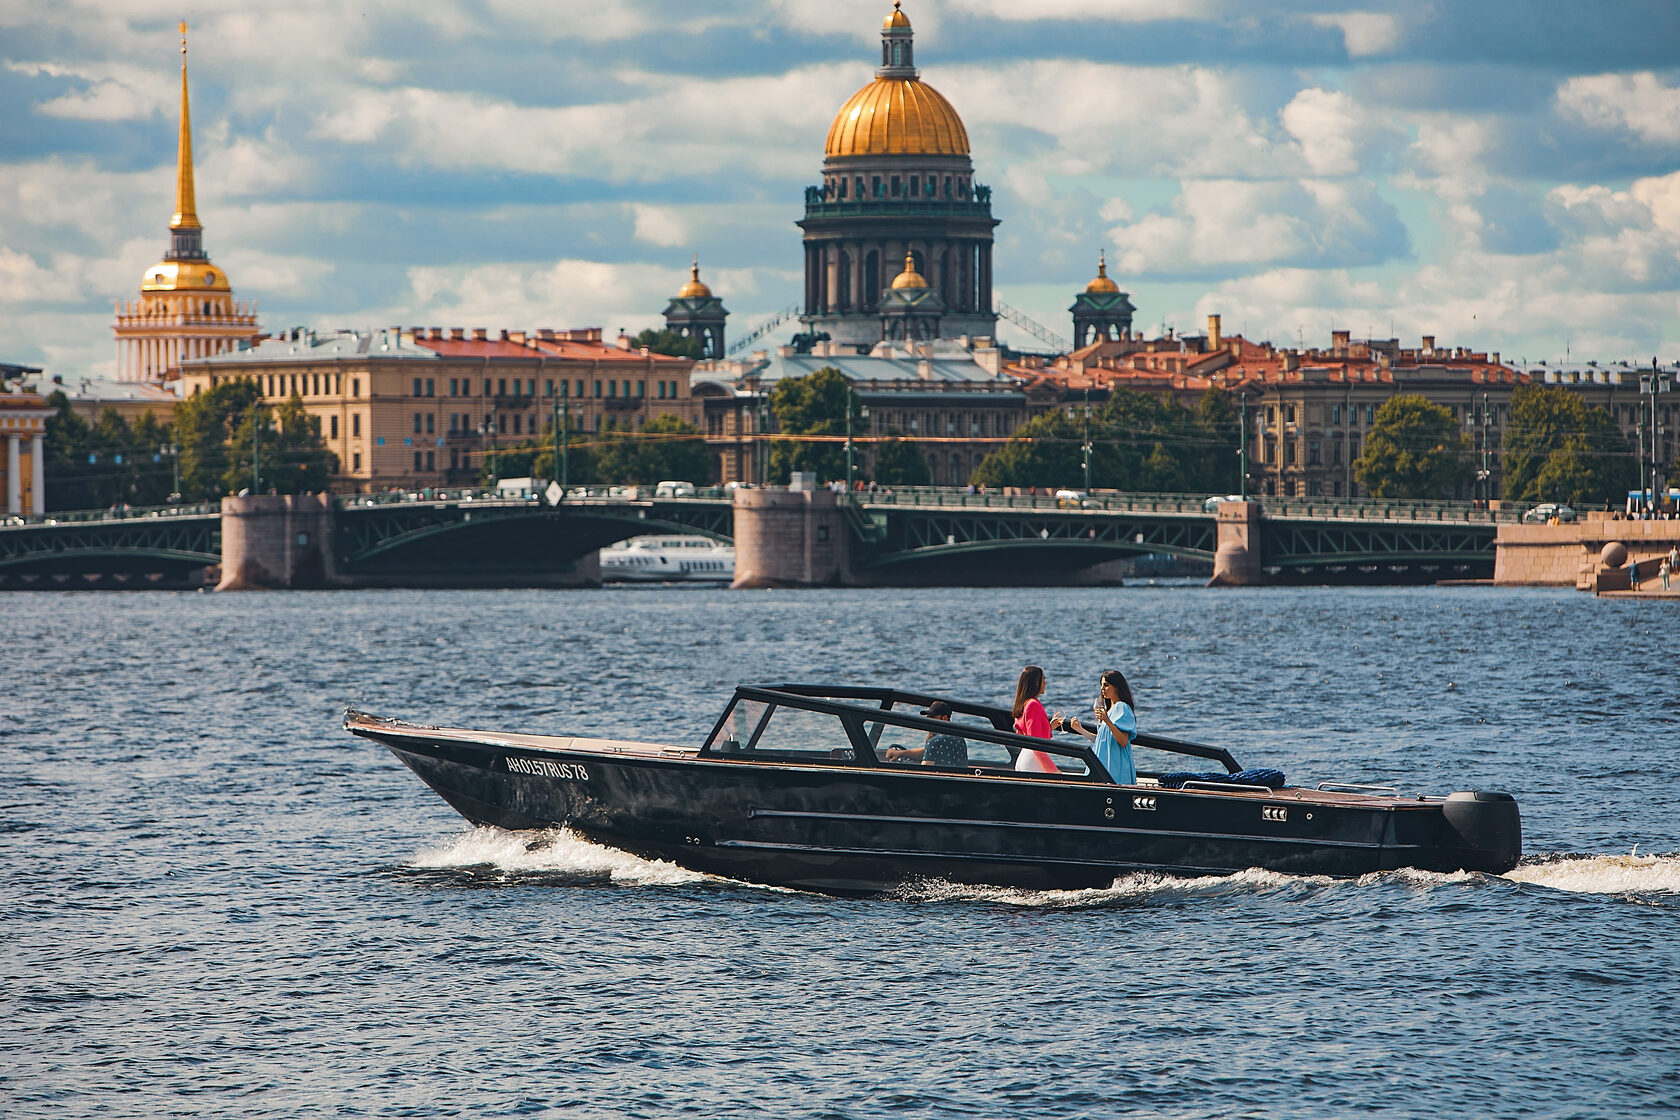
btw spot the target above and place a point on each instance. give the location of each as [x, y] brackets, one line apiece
[865, 830]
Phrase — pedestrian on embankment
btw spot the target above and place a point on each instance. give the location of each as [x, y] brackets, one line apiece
[1633, 573]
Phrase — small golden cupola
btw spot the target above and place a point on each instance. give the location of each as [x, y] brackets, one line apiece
[909, 278]
[186, 307]
[695, 288]
[1102, 283]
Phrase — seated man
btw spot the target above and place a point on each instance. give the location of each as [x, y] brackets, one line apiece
[941, 749]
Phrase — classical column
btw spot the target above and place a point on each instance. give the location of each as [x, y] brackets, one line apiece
[38, 475]
[14, 492]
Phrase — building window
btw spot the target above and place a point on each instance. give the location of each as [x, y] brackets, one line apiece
[431, 424]
[1271, 451]
[1353, 452]
[430, 387]
[580, 389]
[416, 392]
[487, 386]
[565, 387]
[1335, 414]
[1336, 452]
[416, 423]
[1335, 489]
[356, 461]
[612, 389]
[1271, 414]
[431, 463]
[641, 388]
[1289, 414]
[662, 390]
[1312, 453]
[332, 425]
[1370, 413]
[548, 386]
[454, 386]
[1313, 490]
[1289, 452]
[355, 423]
[597, 390]
[418, 459]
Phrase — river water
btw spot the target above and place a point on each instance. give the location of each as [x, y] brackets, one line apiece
[213, 902]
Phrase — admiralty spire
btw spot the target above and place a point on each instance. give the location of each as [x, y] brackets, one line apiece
[897, 180]
[186, 307]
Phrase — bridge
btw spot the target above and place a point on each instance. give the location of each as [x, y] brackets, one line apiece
[911, 535]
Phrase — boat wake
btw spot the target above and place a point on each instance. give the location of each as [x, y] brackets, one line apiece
[493, 856]
[558, 857]
[1623, 875]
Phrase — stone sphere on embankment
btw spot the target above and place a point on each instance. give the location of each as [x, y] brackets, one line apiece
[1614, 554]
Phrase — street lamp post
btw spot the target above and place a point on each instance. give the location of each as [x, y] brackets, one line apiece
[174, 453]
[763, 438]
[488, 428]
[1086, 449]
[1242, 450]
[256, 446]
[562, 421]
[849, 406]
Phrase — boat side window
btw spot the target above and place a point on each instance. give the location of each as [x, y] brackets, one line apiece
[772, 731]
[799, 735]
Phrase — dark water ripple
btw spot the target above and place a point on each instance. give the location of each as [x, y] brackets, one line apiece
[213, 903]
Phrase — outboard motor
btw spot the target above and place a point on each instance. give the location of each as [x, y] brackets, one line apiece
[1488, 827]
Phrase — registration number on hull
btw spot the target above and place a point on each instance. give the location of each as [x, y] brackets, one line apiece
[543, 768]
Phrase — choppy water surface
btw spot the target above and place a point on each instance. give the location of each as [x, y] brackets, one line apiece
[215, 903]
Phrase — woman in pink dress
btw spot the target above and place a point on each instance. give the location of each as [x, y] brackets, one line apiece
[1030, 719]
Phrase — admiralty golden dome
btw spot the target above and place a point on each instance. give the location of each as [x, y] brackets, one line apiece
[897, 180]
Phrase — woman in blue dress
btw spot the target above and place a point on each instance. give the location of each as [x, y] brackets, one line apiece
[1113, 724]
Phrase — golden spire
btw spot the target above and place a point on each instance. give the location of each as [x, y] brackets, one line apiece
[186, 206]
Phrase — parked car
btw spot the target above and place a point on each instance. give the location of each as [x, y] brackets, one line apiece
[1546, 511]
[740, 486]
[1074, 499]
[1212, 504]
[671, 488]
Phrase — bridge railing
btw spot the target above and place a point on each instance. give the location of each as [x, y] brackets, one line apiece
[509, 497]
[942, 497]
[1348, 509]
[113, 513]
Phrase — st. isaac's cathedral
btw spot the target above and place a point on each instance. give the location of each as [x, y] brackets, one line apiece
[898, 235]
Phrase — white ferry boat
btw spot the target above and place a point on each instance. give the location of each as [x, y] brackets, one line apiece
[668, 559]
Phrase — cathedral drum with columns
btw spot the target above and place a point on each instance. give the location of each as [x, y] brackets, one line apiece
[897, 180]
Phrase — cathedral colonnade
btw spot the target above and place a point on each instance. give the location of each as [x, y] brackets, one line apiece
[23, 452]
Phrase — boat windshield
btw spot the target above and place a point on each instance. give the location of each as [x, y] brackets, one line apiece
[777, 731]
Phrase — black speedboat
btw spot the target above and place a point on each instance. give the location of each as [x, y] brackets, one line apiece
[793, 787]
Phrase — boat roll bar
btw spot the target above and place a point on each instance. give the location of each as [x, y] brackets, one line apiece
[1000, 718]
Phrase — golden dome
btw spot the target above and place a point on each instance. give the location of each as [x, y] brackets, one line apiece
[909, 278]
[896, 19]
[897, 116]
[184, 276]
[694, 289]
[1102, 283]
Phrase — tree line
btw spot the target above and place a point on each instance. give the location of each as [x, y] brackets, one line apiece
[1555, 448]
[214, 440]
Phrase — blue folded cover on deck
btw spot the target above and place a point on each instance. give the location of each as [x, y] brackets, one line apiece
[1271, 779]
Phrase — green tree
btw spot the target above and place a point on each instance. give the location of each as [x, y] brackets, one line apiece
[205, 423]
[1043, 452]
[91, 466]
[899, 463]
[1559, 449]
[666, 447]
[1414, 450]
[814, 405]
[290, 455]
[667, 341]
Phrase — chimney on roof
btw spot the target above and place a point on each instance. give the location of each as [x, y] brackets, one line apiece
[1494, 357]
[623, 339]
[516, 336]
[504, 335]
[459, 334]
[1291, 360]
[434, 332]
[546, 334]
[480, 334]
[1428, 344]
[1213, 333]
[1340, 340]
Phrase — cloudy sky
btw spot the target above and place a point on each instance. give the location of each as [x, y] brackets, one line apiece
[1503, 174]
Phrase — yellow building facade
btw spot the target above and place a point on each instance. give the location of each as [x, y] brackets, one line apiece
[23, 456]
[186, 307]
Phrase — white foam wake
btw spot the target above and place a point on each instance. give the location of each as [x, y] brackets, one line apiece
[555, 851]
[1629, 874]
[1124, 890]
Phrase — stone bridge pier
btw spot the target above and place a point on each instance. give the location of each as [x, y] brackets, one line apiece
[1236, 561]
[275, 541]
[790, 538]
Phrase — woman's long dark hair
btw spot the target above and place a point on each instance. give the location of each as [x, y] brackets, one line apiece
[1028, 687]
[1123, 690]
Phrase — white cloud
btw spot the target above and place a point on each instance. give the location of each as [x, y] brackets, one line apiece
[114, 91]
[1329, 126]
[660, 225]
[1223, 224]
[1637, 103]
[1363, 33]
